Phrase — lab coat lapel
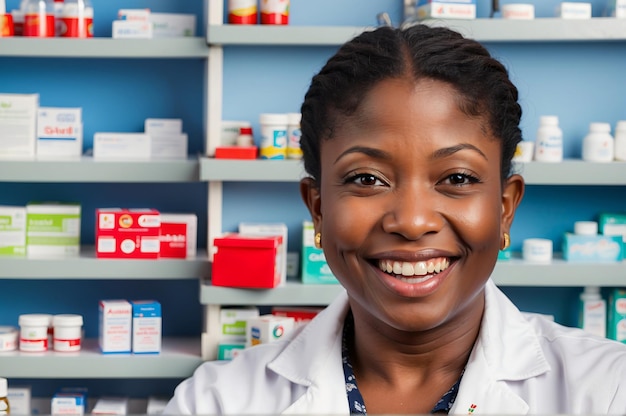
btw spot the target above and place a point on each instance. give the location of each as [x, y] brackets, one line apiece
[507, 350]
[313, 359]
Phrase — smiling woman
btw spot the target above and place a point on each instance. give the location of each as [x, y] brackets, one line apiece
[408, 136]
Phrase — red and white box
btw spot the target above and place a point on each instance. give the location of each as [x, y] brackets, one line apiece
[178, 235]
[247, 261]
[115, 323]
[128, 233]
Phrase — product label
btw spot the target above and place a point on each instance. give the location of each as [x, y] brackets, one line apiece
[274, 146]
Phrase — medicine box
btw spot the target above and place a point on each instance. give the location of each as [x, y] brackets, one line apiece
[59, 132]
[232, 336]
[301, 315]
[616, 8]
[163, 125]
[444, 9]
[167, 25]
[315, 270]
[19, 400]
[168, 146]
[115, 322]
[137, 15]
[267, 328]
[613, 224]
[617, 315]
[147, 323]
[52, 229]
[592, 248]
[229, 350]
[574, 10]
[18, 122]
[122, 146]
[230, 131]
[178, 235]
[69, 403]
[247, 261]
[12, 231]
[270, 229]
[110, 406]
[128, 233]
[131, 29]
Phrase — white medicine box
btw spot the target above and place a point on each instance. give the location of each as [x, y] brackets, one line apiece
[146, 326]
[12, 231]
[115, 322]
[59, 132]
[18, 123]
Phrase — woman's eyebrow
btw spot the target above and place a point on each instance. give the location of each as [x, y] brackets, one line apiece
[447, 151]
[369, 151]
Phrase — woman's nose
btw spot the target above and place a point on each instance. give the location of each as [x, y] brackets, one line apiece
[413, 214]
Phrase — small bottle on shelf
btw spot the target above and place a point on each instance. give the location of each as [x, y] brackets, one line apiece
[598, 145]
[39, 19]
[76, 19]
[5, 409]
[620, 141]
[549, 142]
[592, 312]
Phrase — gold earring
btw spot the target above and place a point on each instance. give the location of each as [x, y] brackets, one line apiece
[507, 241]
[318, 240]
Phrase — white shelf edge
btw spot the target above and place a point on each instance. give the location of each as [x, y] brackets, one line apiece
[171, 48]
[87, 266]
[179, 357]
[514, 272]
[484, 30]
[86, 169]
[568, 172]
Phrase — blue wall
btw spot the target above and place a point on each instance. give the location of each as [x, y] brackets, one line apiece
[579, 82]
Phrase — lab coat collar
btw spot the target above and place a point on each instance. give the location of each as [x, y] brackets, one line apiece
[507, 350]
[313, 359]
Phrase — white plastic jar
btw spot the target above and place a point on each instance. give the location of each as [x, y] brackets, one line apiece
[620, 141]
[34, 332]
[273, 135]
[537, 250]
[67, 332]
[549, 142]
[598, 144]
[293, 136]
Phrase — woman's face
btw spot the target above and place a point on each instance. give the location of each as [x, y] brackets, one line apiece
[411, 206]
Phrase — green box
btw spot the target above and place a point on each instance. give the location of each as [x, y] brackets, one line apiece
[52, 229]
[12, 231]
[610, 223]
[315, 270]
[617, 315]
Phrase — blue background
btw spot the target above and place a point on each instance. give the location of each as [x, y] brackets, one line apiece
[581, 82]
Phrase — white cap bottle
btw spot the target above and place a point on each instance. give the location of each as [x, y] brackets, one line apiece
[598, 144]
[4, 400]
[620, 141]
[549, 142]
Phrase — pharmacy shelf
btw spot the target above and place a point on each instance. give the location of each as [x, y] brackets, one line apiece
[86, 169]
[226, 170]
[170, 48]
[568, 172]
[573, 172]
[87, 266]
[513, 272]
[485, 30]
[178, 359]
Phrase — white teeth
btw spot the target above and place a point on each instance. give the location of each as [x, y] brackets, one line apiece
[420, 268]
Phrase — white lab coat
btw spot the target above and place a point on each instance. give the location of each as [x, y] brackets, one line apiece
[521, 364]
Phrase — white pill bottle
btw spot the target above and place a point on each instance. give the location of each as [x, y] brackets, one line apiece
[549, 142]
[598, 144]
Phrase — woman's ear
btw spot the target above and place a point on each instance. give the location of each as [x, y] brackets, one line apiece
[310, 192]
[511, 198]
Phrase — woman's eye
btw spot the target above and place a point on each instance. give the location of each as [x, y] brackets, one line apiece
[366, 180]
[461, 179]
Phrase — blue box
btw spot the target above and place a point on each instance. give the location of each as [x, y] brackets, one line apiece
[592, 248]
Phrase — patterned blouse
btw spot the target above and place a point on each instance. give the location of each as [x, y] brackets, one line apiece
[355, 400]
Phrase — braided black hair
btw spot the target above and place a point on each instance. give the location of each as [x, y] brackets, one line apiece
[419, 51]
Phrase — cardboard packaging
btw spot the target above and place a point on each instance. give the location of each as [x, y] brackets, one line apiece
[247, 261]
[270, 229]
[232, 337]
[613, 224]
[115, 323]
[440, 9]
[128, 233]
[18, 125]
[268, 328]
[574, 10]
[59, 132]
[592, 248]
[315, 270]
[147, 324]
[178, 236]
[168, 25]
[122, 146]
[617, 315]
[52, 229]
[12, 231]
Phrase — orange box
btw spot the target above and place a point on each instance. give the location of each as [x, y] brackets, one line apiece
[247, 261]
[127, 233]
[236, 152]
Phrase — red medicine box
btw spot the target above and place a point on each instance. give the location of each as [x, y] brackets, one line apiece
[127, 233]
[247, 261]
